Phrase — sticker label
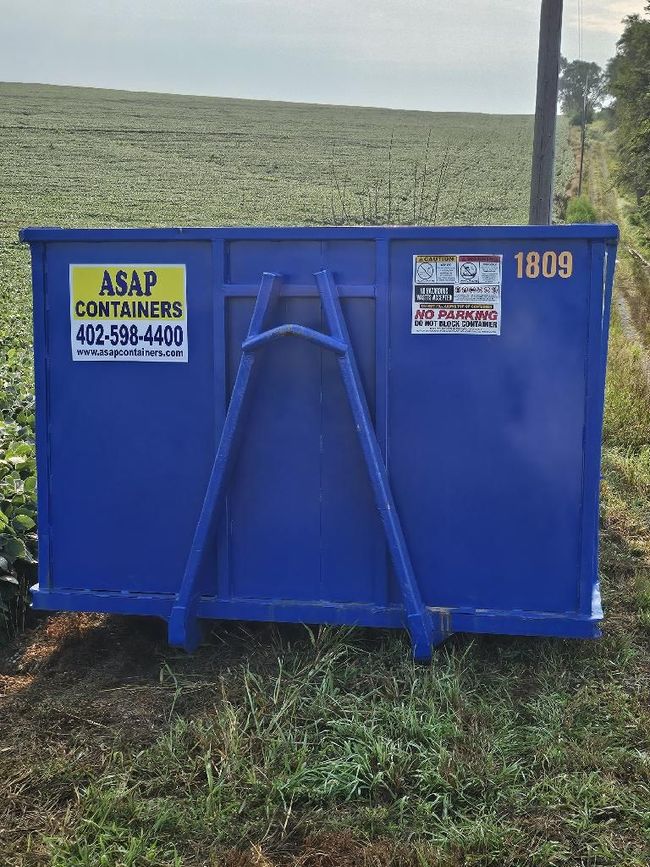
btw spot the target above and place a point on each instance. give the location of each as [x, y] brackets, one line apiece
[128, 313]
[435, 269]
[457, 294]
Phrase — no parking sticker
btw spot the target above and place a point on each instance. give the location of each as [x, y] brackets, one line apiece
[457, 294]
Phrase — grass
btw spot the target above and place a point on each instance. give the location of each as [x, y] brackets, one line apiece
[305, 742]
[283, 745]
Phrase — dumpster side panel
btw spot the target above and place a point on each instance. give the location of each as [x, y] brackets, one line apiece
[486, 438]
[130, 443]
[601, 271]
[353, 547]
[302, 522]
[492, 442]
[274, 503]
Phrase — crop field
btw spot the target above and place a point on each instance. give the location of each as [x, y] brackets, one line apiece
[289, 746]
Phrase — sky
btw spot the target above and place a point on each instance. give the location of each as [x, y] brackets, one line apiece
[434, 55]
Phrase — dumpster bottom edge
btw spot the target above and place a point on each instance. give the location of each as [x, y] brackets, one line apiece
[514, 622]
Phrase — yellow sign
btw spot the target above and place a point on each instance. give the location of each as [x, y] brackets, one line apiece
[127, 292]
[128, 313]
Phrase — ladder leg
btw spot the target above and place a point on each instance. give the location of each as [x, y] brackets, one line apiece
[424, 636]
[183, 627]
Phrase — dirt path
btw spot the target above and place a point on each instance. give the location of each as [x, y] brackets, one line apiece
[630, 330]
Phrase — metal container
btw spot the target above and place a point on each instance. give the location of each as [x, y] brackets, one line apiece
[395, 427]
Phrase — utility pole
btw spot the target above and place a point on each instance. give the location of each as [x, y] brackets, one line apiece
[548, 70]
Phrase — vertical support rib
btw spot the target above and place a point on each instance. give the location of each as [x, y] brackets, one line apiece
[183, 627]
[418, 618]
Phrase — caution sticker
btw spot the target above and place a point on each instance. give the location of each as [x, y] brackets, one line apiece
[128, 313]
[457, 294]
[435, 269]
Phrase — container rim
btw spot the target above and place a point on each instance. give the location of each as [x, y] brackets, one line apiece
[592, 231]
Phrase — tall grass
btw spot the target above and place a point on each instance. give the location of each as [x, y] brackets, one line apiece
[498, 753]
[627, 420]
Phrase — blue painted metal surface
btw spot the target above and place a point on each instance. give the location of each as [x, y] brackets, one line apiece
[364, 474]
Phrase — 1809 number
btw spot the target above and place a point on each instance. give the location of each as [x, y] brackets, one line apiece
[548, 264]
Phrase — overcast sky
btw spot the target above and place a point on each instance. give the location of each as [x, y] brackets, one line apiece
[439, 55]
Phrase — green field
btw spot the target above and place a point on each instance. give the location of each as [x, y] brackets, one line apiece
[284, 746]
[75, 156]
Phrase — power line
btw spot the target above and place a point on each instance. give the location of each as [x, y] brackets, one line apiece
[579, 22]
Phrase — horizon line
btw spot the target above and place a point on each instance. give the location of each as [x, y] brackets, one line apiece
[368, 107]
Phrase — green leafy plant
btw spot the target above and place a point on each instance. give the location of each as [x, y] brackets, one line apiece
[580, 210]
[17, 484]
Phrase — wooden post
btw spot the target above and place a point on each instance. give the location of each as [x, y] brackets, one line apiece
[548, 70]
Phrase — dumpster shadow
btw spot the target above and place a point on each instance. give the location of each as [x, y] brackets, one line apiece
[78, 686]
[122, 668]
[108, 670]
[94, 652]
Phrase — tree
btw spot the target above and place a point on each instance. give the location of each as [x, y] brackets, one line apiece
[581, 88]
[628, 76]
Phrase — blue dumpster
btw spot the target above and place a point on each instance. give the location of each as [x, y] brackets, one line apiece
[383, 426]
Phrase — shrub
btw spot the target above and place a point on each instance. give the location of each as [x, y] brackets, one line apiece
[580, 210]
